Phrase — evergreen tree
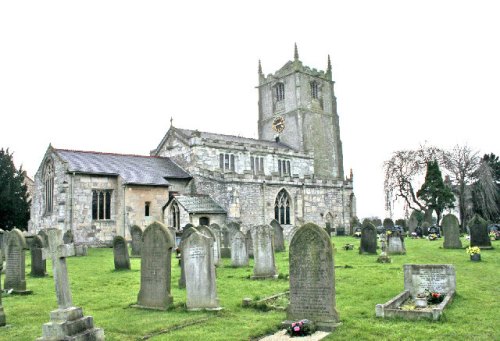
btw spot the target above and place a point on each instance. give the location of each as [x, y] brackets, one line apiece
[485, 191]
[14, 204]
[436, 195]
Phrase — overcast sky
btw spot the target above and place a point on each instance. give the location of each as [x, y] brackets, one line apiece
[108, 75]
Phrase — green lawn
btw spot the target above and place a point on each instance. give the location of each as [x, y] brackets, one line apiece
[107, 295]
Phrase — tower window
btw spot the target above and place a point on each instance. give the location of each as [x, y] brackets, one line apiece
[257, 164]
[314, 90]
[101, 205]
[284, 167]
[280, 92]
[227, 162]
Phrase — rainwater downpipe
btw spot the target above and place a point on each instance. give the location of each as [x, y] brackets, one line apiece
[124, 210]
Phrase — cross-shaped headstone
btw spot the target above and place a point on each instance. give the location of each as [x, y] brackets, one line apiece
[57, 251]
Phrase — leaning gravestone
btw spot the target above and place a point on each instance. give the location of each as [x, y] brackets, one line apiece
[120, 253]
[68, 237]
[249, 242]
[136, 234]
[185, 234]
[368, 243]
[15, 277]
[312, 278]
[279, 239]
[395, 243]
[2, 313]
[197, 257]
[263, 252]
[207, 231]
[38, 264]
[239, 253]
[451, 231]
[155, 268]
[479, 232]
[67, 322]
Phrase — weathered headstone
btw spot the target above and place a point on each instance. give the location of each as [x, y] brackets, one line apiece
[368, 243]
[312, 278]
[38, 264]
[263, 252]
[67, 322]
[68, 237]
[207, 231]
[451, 231]
[395, 243]
[156, 257]
[185, 234]
[279, 240]
[413, 221]
[15, 277]
[225, 250]
[42, 233]
[2, 313]
[136, 234]
[120, 253]
[479, 232]
[239, 253]
[249, 242]
[197, 257]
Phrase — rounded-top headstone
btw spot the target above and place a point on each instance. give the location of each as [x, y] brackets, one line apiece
[42, 233]
[239, 252]
[38, 264]
[479, 232]
[15, 277]
[451, 231]
[263, 252]
[368, 242]
[185, 235]
[120, 253]
[207, 231]
[136, 235]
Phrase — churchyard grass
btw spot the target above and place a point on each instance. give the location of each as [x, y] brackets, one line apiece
[361, 283]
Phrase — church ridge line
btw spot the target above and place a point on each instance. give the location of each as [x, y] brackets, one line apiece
[109, 153]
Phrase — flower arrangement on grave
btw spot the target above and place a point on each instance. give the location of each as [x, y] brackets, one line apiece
[432, 236]
[434, 297]
[357, 234]
[473, 250]
[492, 235]
[414, 235]
[300, 328]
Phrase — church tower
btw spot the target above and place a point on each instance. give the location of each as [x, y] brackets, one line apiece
[297, 104]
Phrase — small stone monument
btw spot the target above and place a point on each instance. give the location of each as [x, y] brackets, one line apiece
[15, 277]
[249, 242]
[451, 231]
[263, 252]
[368, 242]
[239, 253]
[312, 278]
[38, 264]
[136, 234]
[67, 322]
[156, 255]
[207, 231]
[438, 278]
[2, 313]
[197, 257]
[42, 233]
[185, 234]
[279, 240]
[120, 253]
[479, 233]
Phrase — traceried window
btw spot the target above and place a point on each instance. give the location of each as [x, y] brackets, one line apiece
[48, 181]
[280, 91]
[282, 208]
[284, 167]
[314, 90]
[176, 216]
[257, 164]
[101, 204]
[226, 162]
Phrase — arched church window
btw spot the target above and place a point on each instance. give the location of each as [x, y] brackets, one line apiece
[176, 216]
[282, 208]
[48, 181]
[314, 90]
[280, 92]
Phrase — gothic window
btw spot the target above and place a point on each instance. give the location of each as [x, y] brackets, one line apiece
[280, 91]
[284, 167]
[282, 208]
[227, 162]
[257, 164]
[314, 90]
[48, 181]
[176, 216]
[101, 204]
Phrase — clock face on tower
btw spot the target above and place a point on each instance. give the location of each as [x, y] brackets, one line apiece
[279, 124]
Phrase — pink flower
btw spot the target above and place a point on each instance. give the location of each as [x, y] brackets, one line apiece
[296, 329]
[293, 324]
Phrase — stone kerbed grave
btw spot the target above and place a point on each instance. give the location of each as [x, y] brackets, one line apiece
[421, 279]
[275, 302]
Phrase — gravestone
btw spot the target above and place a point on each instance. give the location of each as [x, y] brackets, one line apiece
[279, 240]
[225, 250]
[419, 231]
[395, 243]
[185, 234]
[207, 231]
[239, 253]
[80, 250]
[67, 322]
[38, 264]
[15, 277]
[368, 242]
[43, 234]
[120, 253]
[136, 234]
[2, 313]
[413, 221]
[68, 237]
[451, 232]
[263, 252]
[197, 257]
[156, 254]
[425, 228]
[249, 242]
[218, 236]
[312, 278]
[388, 224]
[479, 232]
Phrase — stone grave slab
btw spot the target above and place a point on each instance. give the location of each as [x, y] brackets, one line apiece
[249, 242]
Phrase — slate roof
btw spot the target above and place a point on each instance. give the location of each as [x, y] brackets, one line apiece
[199, 204]
[133, 169]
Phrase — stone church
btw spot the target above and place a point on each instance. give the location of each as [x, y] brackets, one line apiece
[292, 173]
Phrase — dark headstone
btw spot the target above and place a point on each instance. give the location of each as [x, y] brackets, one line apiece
[312, 278]
[419, 231]
[186, 232]
[68, 237]
[120, 253]
[155, 267]
[451, 231]
[479, 232]
[38, 264]
[15, 277]
[425, 228]
[368, 243]
[279, 239]
[136, 235]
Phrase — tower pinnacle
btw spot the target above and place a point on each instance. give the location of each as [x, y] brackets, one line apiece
[296, 53]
